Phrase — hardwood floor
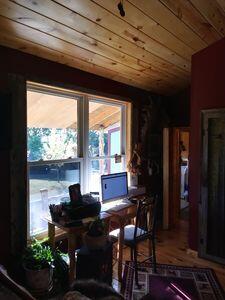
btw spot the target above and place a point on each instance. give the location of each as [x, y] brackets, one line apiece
[171, 248]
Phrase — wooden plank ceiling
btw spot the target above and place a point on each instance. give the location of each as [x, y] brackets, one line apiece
[149, 48]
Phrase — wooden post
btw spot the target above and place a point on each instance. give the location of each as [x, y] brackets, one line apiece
[120, 253]
[44, 200]
[71, 253]
[175, 209]
[101, 148]
[51, 235]
[18, 166]
[166, 178]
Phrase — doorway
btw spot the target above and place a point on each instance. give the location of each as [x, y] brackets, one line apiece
[175, 176]
[184, 172]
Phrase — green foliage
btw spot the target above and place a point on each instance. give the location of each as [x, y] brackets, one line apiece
[94, 143]
[55, 143]
[34, 143]
[50, 143]
[38, 255]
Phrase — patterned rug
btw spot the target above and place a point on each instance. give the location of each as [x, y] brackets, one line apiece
[171, 283]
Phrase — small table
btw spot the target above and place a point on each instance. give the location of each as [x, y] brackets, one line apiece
[72, 234]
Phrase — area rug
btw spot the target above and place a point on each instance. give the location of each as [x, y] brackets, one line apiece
[171, 283]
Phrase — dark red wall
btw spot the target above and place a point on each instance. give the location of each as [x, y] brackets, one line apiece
[31, 67]
[207, 92]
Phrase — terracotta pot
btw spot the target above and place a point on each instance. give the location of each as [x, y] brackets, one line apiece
[95, 242]
[39, 282]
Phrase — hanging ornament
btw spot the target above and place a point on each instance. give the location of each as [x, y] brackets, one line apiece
[121, 9]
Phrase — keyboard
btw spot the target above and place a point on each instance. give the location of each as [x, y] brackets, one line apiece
[116, 205]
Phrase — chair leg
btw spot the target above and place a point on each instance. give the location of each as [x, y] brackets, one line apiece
[149, 247]
[131, 254]
[153, 255]
[136, 267]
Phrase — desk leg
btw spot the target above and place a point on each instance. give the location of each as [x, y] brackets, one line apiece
[149, 247]
[107, 225]
[120, 252]
[71, 253]
[51, 235]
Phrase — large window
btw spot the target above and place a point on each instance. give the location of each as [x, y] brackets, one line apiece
[71, 138]
[105, 123]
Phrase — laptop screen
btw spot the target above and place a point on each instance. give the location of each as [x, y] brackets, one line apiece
[114, 186]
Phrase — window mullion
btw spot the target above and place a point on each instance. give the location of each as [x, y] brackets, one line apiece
[123, 130]
[80, 127]
[85, 143]
[104, 157]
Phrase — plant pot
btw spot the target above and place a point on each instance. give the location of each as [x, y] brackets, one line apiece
[40, 281]
[95, 242]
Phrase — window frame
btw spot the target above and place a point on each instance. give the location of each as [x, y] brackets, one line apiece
[46, 162]
[111, 102]
[83, 100]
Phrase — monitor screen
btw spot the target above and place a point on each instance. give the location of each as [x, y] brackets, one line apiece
[114, 186]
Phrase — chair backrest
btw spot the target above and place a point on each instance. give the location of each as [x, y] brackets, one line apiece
[145, 222]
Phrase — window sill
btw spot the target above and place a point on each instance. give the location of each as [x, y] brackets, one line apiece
[59, 235]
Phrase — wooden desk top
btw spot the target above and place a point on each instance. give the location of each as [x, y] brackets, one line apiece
[124, 211]
[121, 215]
[76, 228]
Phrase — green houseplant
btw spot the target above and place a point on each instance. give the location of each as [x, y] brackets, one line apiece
[38, 265]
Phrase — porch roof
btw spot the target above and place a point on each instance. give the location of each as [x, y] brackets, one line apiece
[53, 111]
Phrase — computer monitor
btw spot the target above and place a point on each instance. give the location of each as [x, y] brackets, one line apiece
[114, 186]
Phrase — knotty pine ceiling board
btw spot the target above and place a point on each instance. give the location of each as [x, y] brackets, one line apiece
[149, 48]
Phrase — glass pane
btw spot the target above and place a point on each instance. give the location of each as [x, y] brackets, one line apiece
[51, 127]
[48, 184]
[104, 129]
[114, 141]
[99, 167]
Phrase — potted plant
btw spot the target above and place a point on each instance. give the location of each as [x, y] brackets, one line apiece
[38, 264]
[96, 237]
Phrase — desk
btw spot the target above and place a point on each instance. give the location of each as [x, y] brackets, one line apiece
[122, 218]
[72, 234]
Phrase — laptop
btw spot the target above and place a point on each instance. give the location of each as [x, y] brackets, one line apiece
[114, 190]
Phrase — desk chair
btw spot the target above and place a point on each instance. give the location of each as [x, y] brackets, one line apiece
[143, 229]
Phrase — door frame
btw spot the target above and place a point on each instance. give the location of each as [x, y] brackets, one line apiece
[171, 175]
